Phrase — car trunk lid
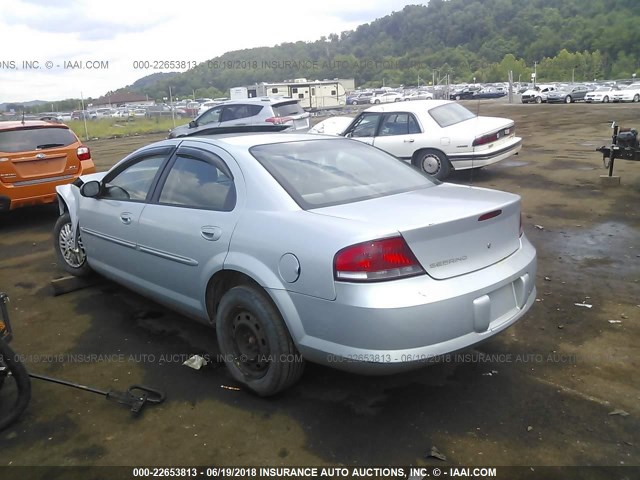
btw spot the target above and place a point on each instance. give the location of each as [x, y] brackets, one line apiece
[452, 230]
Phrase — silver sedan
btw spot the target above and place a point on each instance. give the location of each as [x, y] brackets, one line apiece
[303, 248]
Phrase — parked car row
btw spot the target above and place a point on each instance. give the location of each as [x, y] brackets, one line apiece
[552, 93]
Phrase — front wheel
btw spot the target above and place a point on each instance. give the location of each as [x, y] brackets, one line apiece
[434, 163]
[376, 101]
[605, 99]
[636, 98]
[255, 343]
[568, 99]
[15, 394]
[538, 99]
[72, 259]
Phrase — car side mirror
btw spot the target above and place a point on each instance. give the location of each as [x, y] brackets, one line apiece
[91, 189]
[193, 124]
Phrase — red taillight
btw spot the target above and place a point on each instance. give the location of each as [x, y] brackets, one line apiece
[492, 137]
[489, 215]
[485, 139]
[385, 259]
[84, 153]
[278, 120]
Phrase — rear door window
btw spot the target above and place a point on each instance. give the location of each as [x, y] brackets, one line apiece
[398, 124]
[30, 139]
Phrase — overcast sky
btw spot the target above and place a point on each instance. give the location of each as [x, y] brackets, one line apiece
[52, 32]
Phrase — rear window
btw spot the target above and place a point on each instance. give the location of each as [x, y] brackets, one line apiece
[320, 173]
[287, 109]
[29, 139]
[450, 114]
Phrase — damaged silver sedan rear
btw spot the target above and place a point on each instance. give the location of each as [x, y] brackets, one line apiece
[303, 248]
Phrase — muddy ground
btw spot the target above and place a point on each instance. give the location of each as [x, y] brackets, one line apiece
[541, 393]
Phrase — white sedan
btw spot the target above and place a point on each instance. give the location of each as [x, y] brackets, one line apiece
[628, 94]
[436, 135]
[417, 96]
[600, 95]
[387, 97]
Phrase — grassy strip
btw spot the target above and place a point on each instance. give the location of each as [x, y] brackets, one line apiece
[122, 127]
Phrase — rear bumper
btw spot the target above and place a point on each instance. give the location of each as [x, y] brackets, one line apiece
[389, 327]
[37, 193]
[486, 157]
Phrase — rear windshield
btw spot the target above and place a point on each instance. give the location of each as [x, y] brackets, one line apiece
[287, 109]
[29, 139]
[320, 173]
[450, 114]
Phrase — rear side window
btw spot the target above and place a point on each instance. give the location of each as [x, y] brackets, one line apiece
[29, 139]
[236, 112]
[287, 109]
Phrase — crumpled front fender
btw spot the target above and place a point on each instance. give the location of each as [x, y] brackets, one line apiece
[69, 201]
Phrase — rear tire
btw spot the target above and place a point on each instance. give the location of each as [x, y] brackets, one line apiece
[10, 360]
[433, 162]
[73, 261]
[255, 342]
[636, 98]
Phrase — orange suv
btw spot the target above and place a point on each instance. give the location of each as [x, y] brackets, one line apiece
[35, 157]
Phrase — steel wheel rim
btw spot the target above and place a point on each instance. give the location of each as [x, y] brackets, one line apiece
[75, 257]
[431, 164]
[250, 344]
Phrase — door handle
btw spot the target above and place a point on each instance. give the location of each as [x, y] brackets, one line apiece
[411, 140]
[211, 233]
[125, 218]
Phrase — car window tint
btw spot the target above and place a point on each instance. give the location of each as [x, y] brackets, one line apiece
[319, 173]
[199, 184]
[450, 114]
[133, 183]
[29, 139]
[366, 125]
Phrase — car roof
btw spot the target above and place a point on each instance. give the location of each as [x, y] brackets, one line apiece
[248, 140]
[415, 106]
[17, 125]
[260, 100]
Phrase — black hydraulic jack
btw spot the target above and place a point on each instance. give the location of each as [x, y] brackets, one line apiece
[624, 145]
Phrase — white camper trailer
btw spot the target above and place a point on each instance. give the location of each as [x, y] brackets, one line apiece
[311, 95]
